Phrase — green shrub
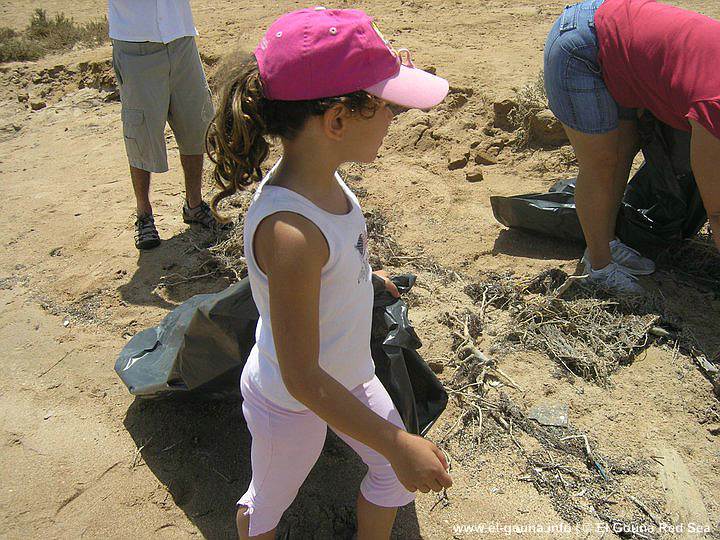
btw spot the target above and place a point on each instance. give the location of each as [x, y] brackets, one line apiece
[49, 34]
[16, 47]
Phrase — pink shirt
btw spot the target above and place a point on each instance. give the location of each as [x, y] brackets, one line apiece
[662, 58]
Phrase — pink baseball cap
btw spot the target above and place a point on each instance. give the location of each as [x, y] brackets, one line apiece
[317, 52]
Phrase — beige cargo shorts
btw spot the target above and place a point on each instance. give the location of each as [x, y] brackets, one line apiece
[161, 83]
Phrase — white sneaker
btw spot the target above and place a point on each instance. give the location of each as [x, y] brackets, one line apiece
[615, 278]
[630, 259]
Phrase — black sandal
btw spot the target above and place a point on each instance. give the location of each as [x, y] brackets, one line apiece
[146, 235]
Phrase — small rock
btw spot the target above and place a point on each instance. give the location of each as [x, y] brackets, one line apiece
[550, 415]
[48, 416]
[457, 161]
[502, 111]
[66, 323]
[37, 105]
[475, 144]
[456, 101]
[112, 96]
[545, 129]
[475, 175]
[23, 97]
[430, 69]
[484, 158]
[436, 367]
[714, 429]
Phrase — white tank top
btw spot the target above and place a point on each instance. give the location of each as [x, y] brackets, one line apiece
[346, 293]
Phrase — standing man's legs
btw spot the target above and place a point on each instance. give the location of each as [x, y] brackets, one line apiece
[141, 69]
[141, 187]
[192, 168]
[191, 110]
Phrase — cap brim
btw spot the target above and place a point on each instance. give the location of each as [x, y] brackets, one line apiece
[412, 88]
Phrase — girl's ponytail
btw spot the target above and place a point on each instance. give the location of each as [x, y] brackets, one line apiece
[235, 140]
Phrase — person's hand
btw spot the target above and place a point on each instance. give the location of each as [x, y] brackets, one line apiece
[389, 285]
[419, 464]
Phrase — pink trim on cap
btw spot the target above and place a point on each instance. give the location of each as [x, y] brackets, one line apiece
[412, 88]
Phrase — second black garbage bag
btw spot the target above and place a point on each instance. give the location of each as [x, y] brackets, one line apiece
[200, 348]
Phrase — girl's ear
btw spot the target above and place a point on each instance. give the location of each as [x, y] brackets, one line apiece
[335, 122]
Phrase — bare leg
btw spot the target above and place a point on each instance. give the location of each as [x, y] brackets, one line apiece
[192, 167]
[243, 526]
[595, 192]
[628, 147]
[373, 522]
[705, 159]
[141, 186]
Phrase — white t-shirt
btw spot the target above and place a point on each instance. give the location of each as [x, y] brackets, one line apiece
[159, 21]
[346, 294]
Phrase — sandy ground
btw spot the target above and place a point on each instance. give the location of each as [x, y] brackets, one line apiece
[81, 458]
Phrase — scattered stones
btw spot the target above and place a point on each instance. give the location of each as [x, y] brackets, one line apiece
[502, 111]
[474, 175]
[23, 97]
[495, 146]
[37, 105]
[457, 161]
[547, 130]
[485, 158]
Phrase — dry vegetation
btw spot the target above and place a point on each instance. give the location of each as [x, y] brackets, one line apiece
[45, 34]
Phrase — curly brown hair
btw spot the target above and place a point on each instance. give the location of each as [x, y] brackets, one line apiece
[236, 138]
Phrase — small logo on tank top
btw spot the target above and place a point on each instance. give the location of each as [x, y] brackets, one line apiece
[362, 248]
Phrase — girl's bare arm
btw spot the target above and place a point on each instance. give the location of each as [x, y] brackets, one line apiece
[292, 251]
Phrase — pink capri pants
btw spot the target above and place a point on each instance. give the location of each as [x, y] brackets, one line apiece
[286, 444]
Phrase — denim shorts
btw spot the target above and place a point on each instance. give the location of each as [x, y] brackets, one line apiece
[574, 85]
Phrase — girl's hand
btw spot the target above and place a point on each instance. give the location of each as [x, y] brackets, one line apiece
[389, 285]
[419, 464]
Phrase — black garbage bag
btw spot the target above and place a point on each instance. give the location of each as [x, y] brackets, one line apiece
[200, 348]
[550, 214]
[661, 204]
[398, 365]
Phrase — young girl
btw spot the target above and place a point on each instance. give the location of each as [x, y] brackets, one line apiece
[324, 82]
